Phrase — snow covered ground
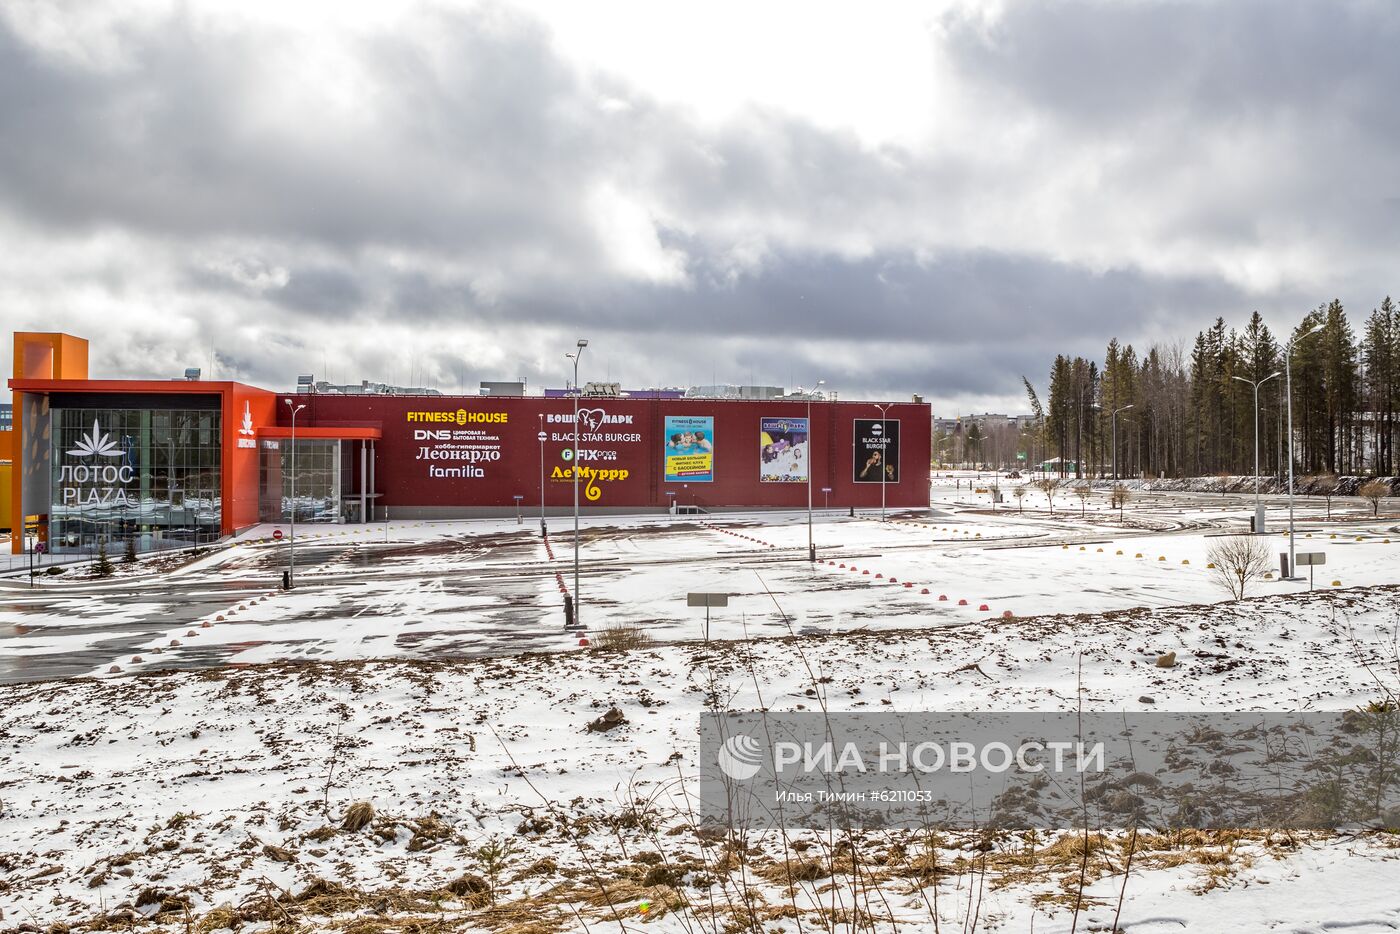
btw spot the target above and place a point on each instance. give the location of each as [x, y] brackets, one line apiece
[208, 784]
[229, 787]
[446, 589]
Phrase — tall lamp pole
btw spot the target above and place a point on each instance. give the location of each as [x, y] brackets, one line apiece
[1113, 419]
[811, 545]
[884, 453]
[292, 543]
[1288, 391]
[543, 530]
[1258, 506]
[578, 602]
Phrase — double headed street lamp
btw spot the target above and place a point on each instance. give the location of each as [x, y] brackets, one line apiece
[1288, 391]
[884, 453]
[1258, 506]
[811, 545]
[577, 596]
[292, 545]
[1113, 419]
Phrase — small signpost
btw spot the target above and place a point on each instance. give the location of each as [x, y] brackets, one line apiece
[276, 535]
[707, 600]
[1311, 559]
[517, 499]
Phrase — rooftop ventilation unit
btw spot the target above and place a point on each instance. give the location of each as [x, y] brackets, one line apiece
[192, 372]
[306, 383]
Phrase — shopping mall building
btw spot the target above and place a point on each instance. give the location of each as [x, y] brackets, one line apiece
[169, 462]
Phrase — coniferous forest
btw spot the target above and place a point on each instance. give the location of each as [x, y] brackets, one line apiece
[1192, 407]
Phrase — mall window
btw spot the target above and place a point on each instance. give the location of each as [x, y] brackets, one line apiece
[148, 475]
[319, 480]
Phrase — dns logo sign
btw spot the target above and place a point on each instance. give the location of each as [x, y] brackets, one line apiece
[424, 434]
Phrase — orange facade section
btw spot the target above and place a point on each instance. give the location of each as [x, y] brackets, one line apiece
[38, 355]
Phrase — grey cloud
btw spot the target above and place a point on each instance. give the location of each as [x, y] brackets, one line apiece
[457, 197]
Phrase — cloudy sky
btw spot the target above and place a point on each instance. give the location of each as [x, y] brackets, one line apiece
[896, 198]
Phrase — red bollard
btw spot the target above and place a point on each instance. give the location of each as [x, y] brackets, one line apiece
[943, 596]
[924, 591]
[983, 608]
[962, 603]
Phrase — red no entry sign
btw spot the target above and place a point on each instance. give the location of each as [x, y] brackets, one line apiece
[277, 534]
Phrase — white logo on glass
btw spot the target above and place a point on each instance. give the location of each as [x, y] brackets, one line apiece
[740, 757]
[247, 428]
[97, 444]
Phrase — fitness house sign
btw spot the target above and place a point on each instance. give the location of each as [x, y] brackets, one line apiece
[94, 473]
[457, 445]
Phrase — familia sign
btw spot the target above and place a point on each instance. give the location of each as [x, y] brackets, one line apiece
[457, 445]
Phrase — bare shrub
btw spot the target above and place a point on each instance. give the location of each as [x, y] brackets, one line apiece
[1324, 485]
[1020, 493]
[623, 636]
[1119, 498]
[1373, 491]
[1083, 491]
[1050, 486]
[1237, 560]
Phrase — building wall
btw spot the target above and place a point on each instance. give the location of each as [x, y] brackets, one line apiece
[416, 469]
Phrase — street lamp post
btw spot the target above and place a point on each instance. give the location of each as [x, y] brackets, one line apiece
[884, 453]
[1258, 506]
[578, 602]
[543, 529]
[811, 544]
[1113, 419]
[292, 539]
[1288, 391]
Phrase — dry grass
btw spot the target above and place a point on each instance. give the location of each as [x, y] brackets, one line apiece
[623, 636]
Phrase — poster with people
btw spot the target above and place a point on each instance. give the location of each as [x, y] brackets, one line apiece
[876, 455]
[690, 448]
[782, 450]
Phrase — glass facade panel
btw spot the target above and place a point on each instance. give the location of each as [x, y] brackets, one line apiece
[315, 488]
[152, 475]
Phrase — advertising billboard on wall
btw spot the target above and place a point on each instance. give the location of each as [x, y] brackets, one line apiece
[876, 450]
[690, 448]
[783, 450]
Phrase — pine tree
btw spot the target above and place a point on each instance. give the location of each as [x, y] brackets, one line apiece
[103, 566]
[1380, 351]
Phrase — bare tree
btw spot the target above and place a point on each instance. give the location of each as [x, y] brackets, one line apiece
[1236, 560]
[1083, 491]
[1050, 486]
[1119, 498]
[1324, 485]
[1020, 494]
[1373, 491]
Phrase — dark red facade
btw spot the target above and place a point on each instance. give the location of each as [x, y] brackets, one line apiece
[464, 452]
